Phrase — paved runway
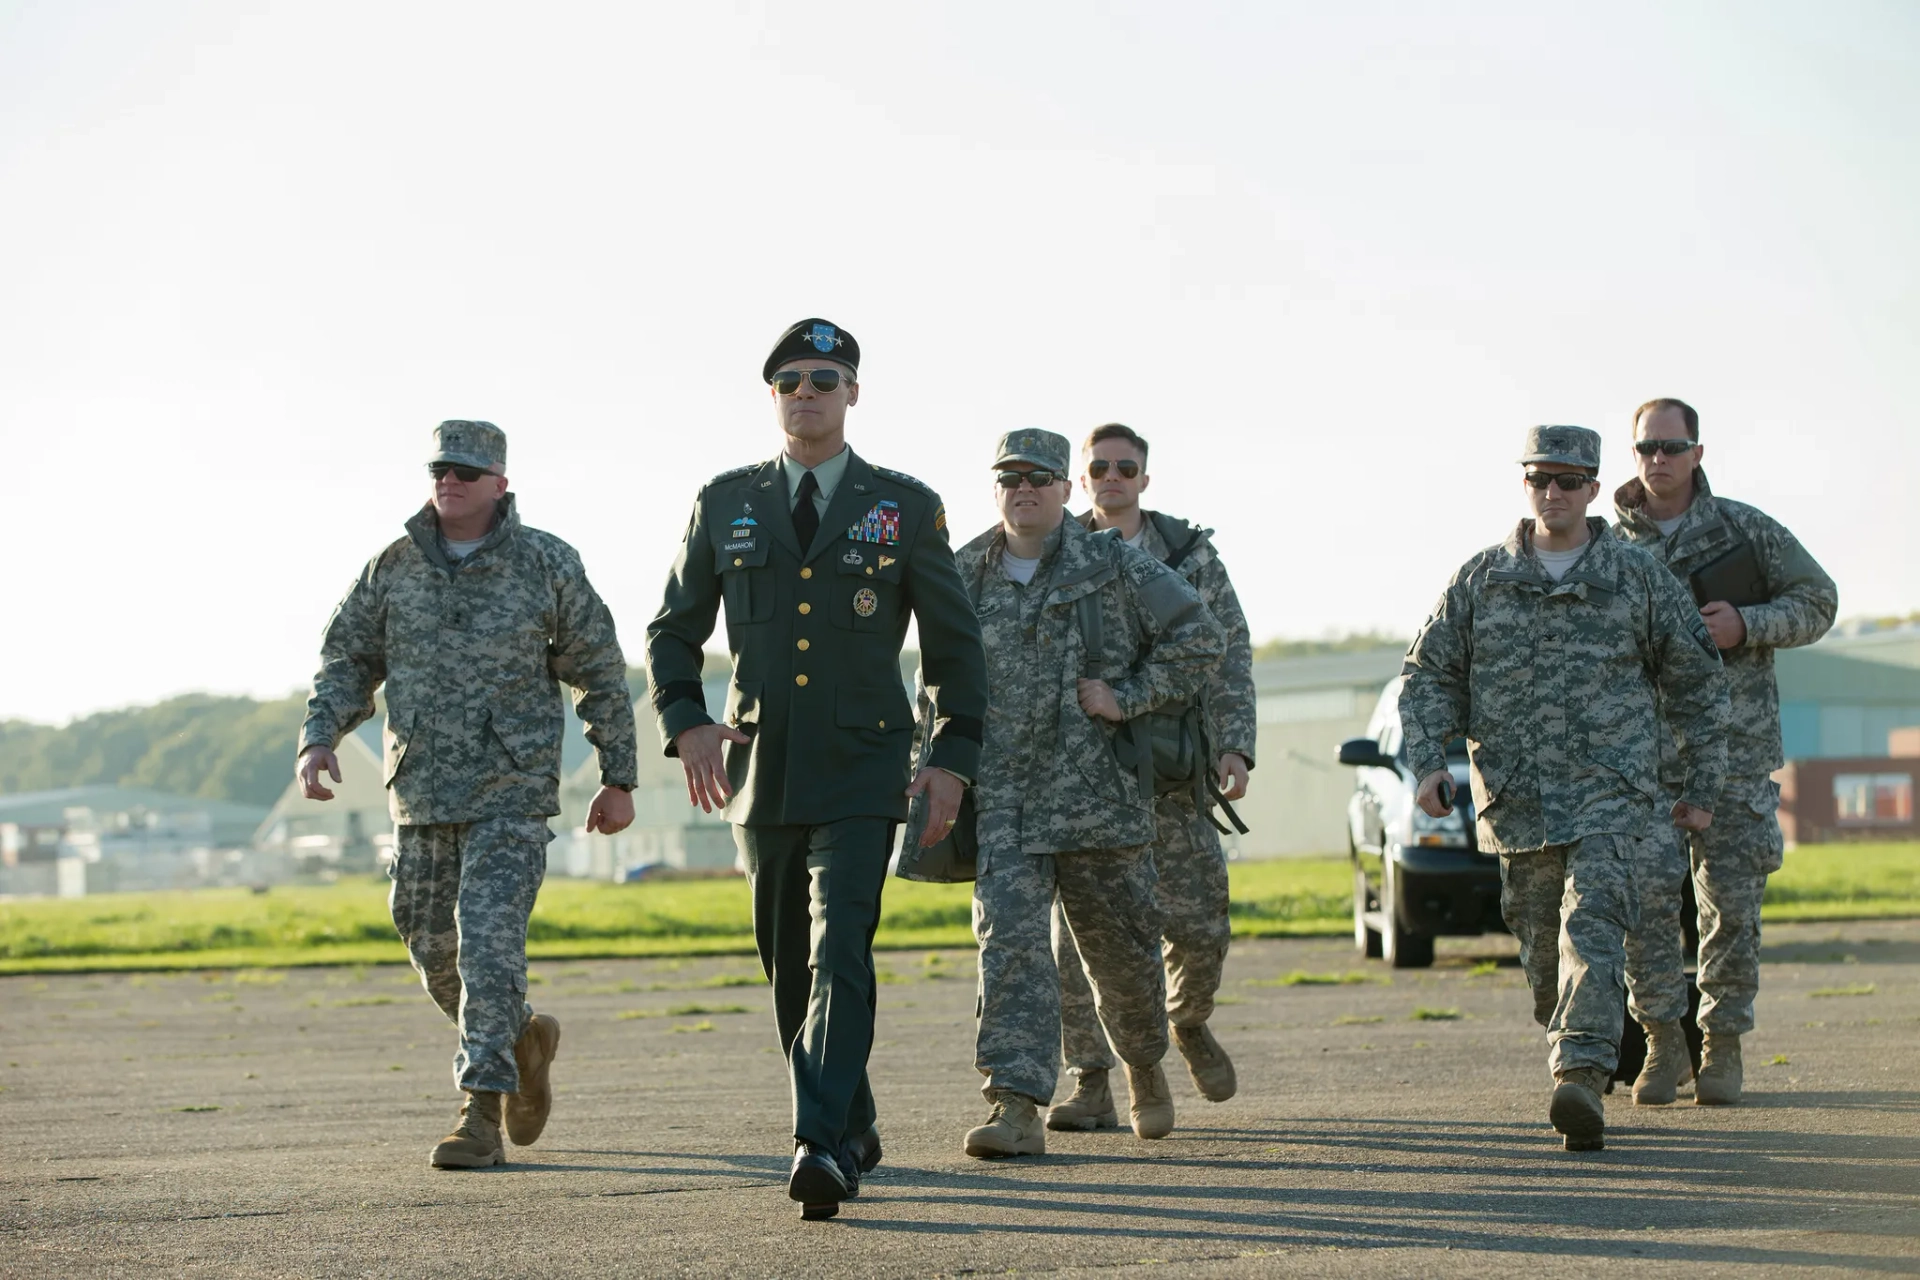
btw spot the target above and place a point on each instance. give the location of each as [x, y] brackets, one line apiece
[278, 1124]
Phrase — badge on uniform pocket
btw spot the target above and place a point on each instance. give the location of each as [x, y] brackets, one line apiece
[865, 602]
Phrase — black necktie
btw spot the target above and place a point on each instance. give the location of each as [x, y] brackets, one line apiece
[806, 517]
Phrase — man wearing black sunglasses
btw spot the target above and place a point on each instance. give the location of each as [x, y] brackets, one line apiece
[1083, 634]
[472, 621]
[1187, 855]
[1551, 653]
[1669, 510]
[820, 559]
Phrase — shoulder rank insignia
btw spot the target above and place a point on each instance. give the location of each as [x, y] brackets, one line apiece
[940, 517]
[903, 477]
[881, 524]
[734, 474]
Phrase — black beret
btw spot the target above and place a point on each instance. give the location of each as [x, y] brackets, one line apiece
[810, 339]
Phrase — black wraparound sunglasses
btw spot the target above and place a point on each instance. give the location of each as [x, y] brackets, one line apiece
[1672, 448]
[1568, 480]
[466, 475]
[823, 380]
[1038, 479]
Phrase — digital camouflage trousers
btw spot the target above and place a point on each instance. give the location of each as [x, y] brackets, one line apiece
[1571, 906]
[461, 896]
[1729, 863]
[1113, 915]
[1192, 871]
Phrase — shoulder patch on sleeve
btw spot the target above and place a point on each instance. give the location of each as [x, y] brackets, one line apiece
[940, 516]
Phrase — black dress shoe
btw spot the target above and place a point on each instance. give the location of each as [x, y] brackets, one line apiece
[865, 1150]
[816, 1182]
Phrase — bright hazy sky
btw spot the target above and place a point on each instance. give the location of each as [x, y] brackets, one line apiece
[1331, 259]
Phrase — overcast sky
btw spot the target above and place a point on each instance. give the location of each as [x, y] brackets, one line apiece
[1331, 259]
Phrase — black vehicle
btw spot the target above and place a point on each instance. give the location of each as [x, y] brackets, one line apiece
[1415, 878]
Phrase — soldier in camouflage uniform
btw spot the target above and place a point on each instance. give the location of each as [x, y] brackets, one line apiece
[1550, 653]
[1058, 814]
[1186, 850]
[1670, 512]
[472, 621]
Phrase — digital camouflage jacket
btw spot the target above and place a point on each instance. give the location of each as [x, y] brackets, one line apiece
[1802, 602]
[470, 652]
[1557, 687]
[1044, 757]
[1232, 717]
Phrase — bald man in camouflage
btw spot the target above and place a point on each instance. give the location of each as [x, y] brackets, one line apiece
[1551, 653]
[472, 621]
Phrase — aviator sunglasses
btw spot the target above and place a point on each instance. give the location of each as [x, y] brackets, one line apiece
[1672, 448]
[466, 475]
[823, 380]
[1097, 468]
[1038, 479]
[1567, 480]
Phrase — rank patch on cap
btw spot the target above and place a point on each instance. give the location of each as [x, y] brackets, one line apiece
[882, 524]
[865, 602]
[824, 338]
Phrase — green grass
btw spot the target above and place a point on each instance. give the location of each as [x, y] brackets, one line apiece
[347, 923]
[1852, 989]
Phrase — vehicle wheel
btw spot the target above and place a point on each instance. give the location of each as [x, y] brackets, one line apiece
[1402, 950]
[1366, 939]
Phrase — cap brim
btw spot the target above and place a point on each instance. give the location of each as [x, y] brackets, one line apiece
[1048, 463]
[464, 460]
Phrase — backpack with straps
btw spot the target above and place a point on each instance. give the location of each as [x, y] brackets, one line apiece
[1168, 749]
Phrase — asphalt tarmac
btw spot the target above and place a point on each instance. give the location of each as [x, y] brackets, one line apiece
[278, 1124]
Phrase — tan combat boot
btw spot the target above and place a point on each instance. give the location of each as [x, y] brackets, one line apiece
[1090, 1107]
[475, 1144]
[1014, 1128]
[1151, 1101]
[1720, 1073]
[1576, 1110]
[1667, 1066]
[1207, 1062]
[533, 1053]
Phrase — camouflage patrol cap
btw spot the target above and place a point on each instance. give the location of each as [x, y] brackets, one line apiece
[1571, 446]
[470, 444]
[1041, 448]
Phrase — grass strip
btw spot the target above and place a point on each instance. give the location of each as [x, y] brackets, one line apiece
[346, 923]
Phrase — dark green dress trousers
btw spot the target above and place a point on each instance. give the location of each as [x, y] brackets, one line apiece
[816, 904]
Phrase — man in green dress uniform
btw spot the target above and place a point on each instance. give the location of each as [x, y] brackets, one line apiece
[820, 558]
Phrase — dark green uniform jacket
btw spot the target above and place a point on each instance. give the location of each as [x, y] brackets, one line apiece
[470, 652]
[815, 637]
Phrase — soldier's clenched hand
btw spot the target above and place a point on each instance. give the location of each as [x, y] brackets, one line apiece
[943, 802]
[307, 772]
[1429, 794]
[611, 811]
[706, 768]
[1096, 699]
[1691, 817]
[1233, 775]
[1725, 625]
